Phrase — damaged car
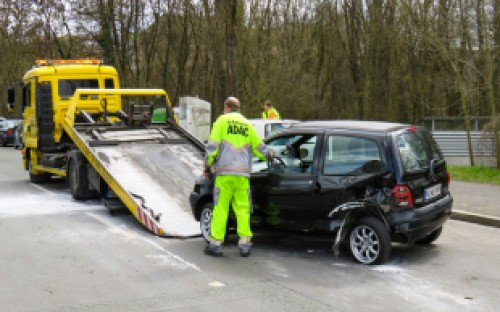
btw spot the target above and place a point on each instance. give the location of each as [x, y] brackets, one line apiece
[368, 183]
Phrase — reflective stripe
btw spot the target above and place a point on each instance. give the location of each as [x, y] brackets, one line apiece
[211, 150]
[233, 169]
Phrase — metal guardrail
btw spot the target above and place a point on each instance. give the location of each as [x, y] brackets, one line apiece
[454, 143]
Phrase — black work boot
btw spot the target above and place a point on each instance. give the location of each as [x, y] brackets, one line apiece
[244, 249]
[213, 250]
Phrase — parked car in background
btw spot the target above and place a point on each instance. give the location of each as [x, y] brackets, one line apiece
[8, 129]
[367, 183]
[266, 127]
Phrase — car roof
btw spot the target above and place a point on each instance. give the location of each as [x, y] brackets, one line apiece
[352, 125]
[269, 121]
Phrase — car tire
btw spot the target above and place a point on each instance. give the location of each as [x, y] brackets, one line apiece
[39, 178]
[369, 241]
[206, 220]
[429, 239]
[2, 142]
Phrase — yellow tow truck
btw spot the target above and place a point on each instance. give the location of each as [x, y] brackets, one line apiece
[78, 124]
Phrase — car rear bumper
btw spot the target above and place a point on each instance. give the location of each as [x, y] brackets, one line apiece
[8, 138]
[411, 225]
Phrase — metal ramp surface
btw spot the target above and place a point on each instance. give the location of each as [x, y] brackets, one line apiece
[156, 168]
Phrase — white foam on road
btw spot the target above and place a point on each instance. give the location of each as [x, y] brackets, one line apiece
[48, 202]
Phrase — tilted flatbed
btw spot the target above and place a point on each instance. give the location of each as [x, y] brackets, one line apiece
[150, 169]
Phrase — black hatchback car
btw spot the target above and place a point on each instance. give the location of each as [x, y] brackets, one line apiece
[368, 183]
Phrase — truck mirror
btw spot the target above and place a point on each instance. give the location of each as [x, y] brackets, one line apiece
[10, 97]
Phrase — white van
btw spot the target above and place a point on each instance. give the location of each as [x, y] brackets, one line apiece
[266, 127]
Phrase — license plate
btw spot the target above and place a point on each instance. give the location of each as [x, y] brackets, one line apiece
[432, 192]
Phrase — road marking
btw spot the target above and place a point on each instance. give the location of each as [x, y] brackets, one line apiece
[130, 234]
[41, 188]
[217, 284]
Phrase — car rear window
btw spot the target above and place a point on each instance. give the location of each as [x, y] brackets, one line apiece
[417, 148]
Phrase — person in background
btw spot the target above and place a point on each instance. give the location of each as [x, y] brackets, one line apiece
[232, 142]
[269, 111]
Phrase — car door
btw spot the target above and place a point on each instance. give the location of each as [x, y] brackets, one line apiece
[349, 163]
[285, 194]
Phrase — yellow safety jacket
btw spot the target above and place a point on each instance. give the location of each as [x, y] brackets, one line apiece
[232, 142]
[271, 114]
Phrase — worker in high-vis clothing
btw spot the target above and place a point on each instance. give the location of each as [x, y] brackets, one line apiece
[269, 112]
[232, 142]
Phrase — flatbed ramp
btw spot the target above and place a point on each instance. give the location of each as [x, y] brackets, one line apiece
[151, 170]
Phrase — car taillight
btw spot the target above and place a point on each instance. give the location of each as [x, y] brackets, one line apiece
[402, 196]
[10, 131]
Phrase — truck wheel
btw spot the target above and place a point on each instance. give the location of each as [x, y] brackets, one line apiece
[74, 180]
[369, 241]
[206, 220]
[429, 239]
[39, 178]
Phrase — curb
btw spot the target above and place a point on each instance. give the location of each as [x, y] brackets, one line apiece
[475, 218]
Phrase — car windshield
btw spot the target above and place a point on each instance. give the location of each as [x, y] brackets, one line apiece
[417, 148]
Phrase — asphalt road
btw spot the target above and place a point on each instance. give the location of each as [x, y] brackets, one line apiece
[61, 255]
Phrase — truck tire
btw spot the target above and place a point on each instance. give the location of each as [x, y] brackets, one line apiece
[74, 180]
[39, 178]
[77, 177]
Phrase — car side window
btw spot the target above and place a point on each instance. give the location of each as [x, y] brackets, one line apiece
[347, 155]
[294, 154]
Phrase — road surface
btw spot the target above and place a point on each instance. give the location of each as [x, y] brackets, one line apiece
[61, 255]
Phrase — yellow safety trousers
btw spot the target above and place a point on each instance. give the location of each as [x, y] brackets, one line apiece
[236, 190]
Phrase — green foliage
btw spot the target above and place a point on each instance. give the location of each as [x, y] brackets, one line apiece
[373, 60]
[475, 174]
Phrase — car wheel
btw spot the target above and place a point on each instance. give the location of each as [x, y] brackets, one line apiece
[429, 239]
[369, 241]
[206, 220]
[2, 142]
[39, 178]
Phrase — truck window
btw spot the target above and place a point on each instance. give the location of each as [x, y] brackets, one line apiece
[109, 83]
[26, 95]
[345, 155]
[67, 87]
